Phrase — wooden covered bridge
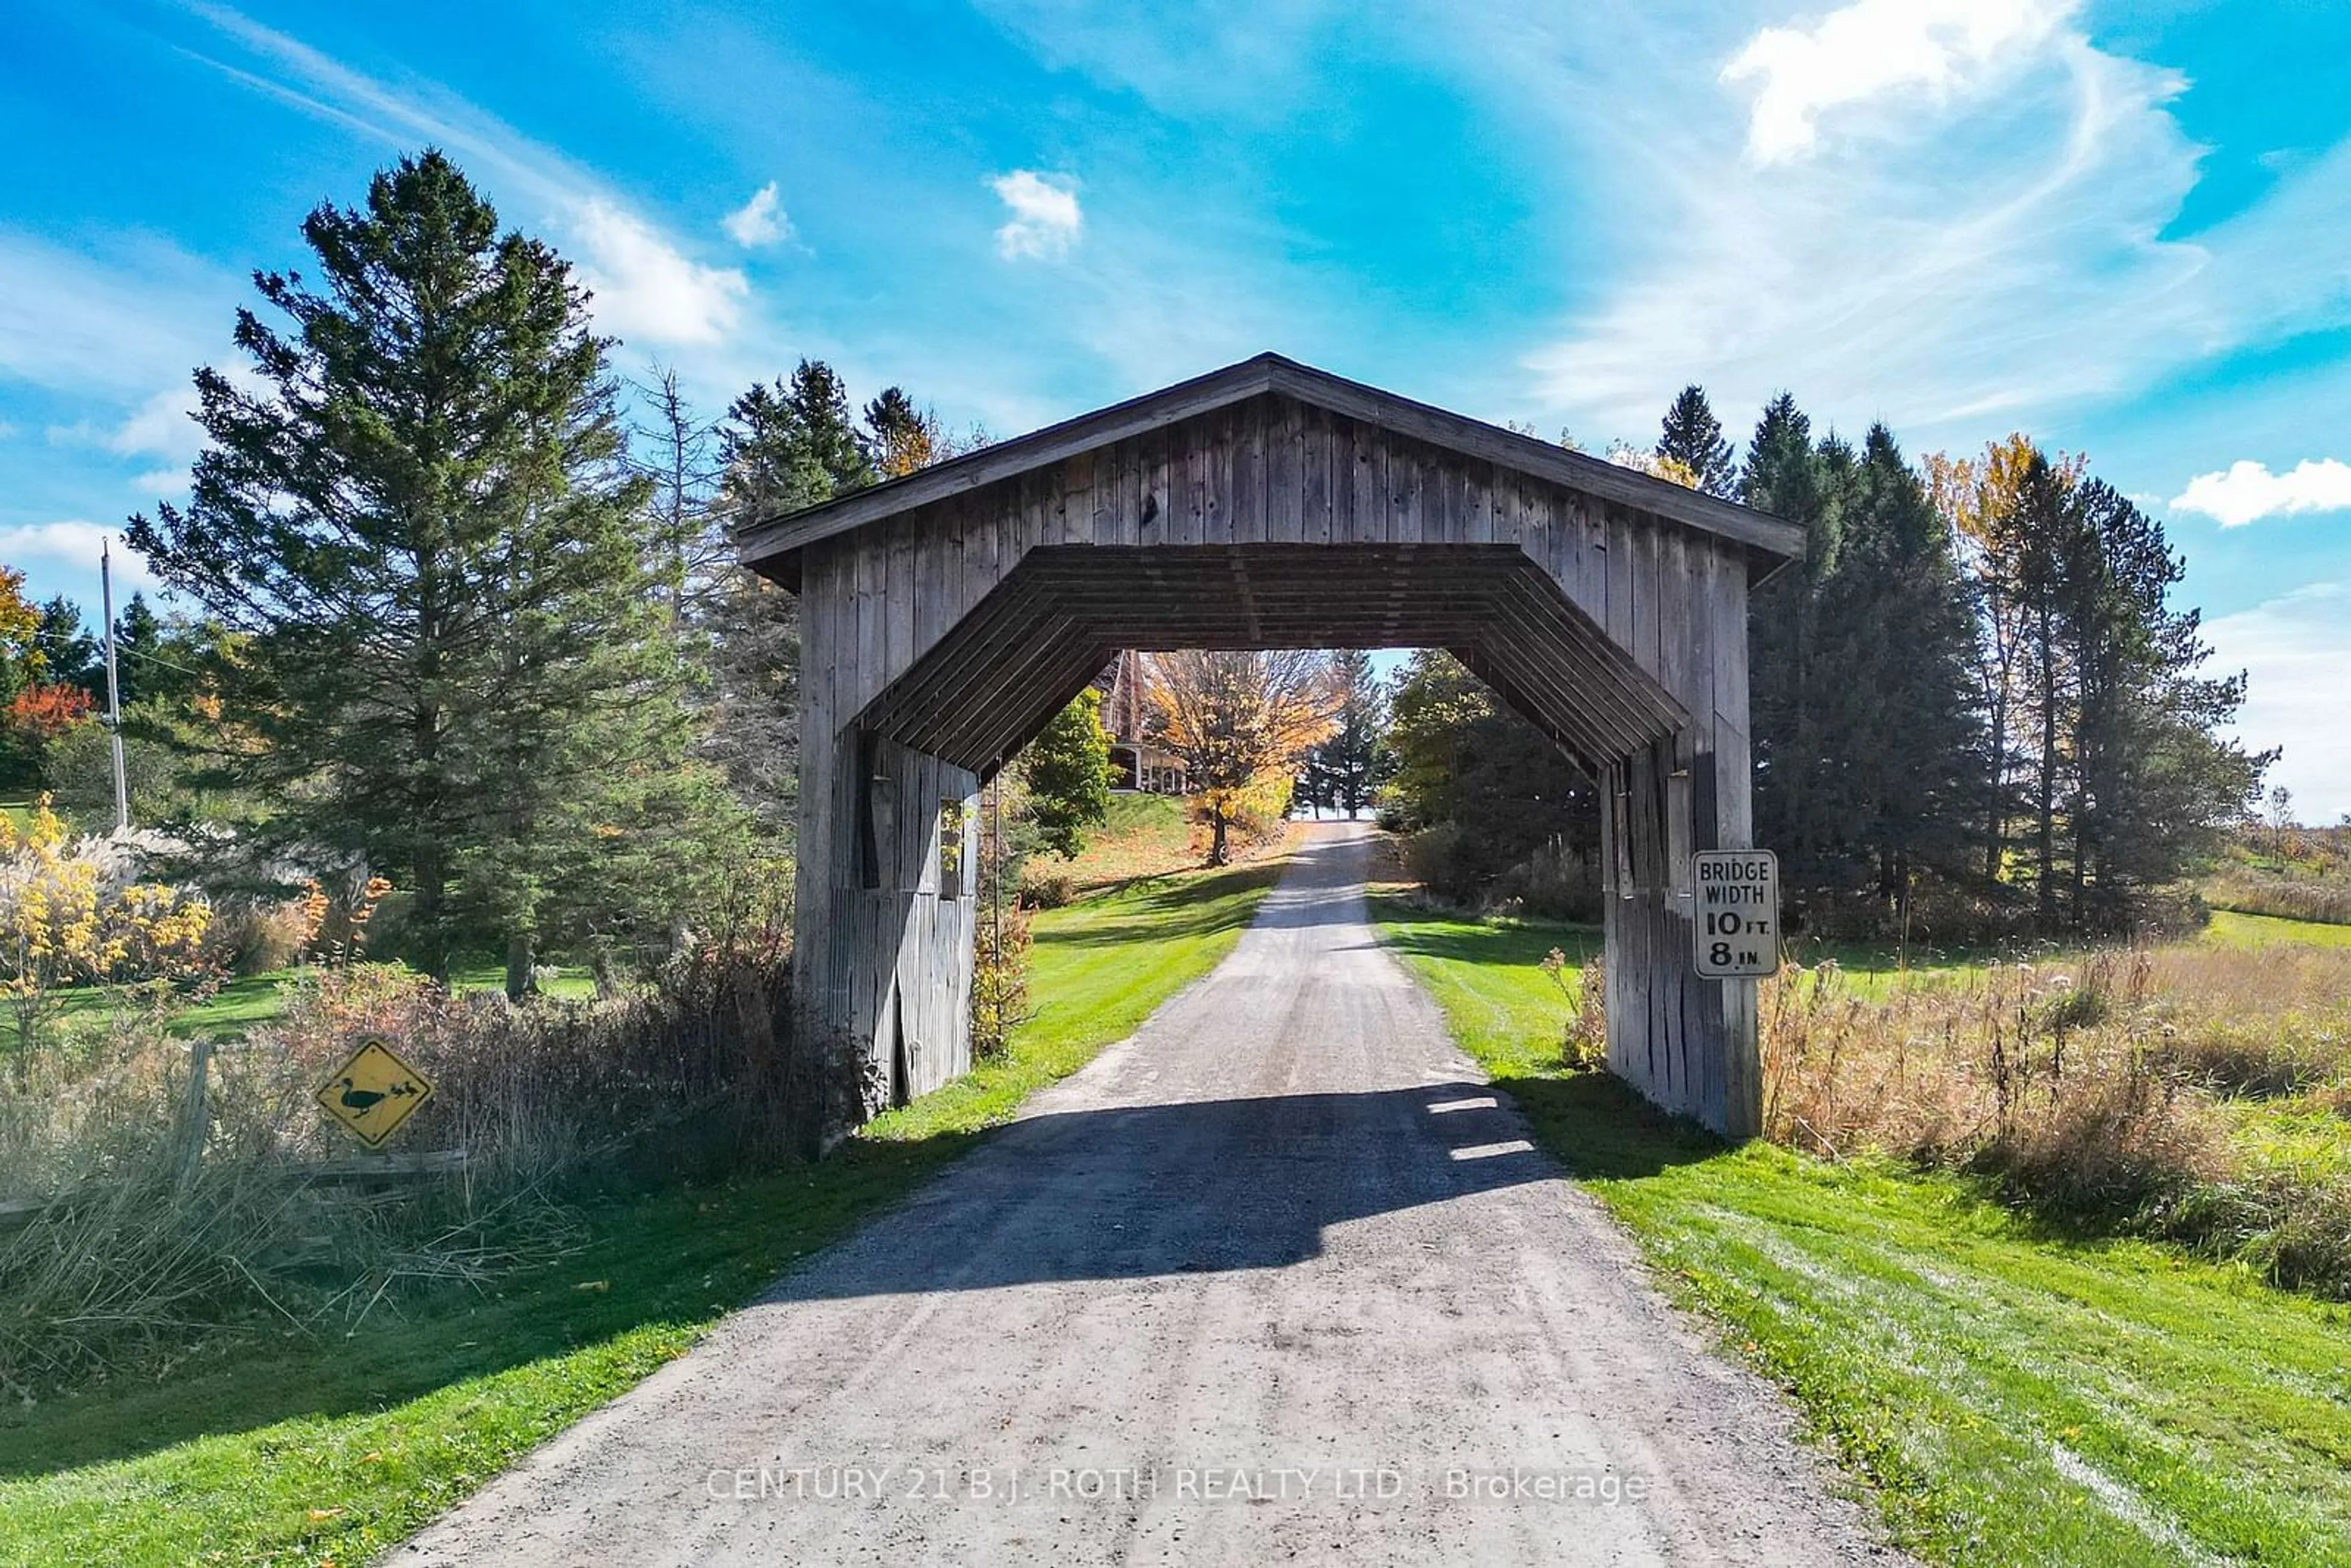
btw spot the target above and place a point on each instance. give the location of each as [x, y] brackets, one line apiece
[948, 615]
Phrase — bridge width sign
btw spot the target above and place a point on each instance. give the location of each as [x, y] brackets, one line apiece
[1737, 912]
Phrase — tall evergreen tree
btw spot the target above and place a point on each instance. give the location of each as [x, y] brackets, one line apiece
[1693, 437]
[901, 437]
[1789, 673]
[69, 655]
[2035, 552]
[1899, 630]
[1343, 770]
[420, 523]
[783, 445]
[2151, 780]
[791, 442]
[138, 648]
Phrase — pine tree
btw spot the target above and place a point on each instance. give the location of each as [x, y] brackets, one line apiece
[2035, 550]
[791, 444]
[1067, 770]
[137, 644]
[901, 438]
[1342, 771]
[782, 446]
[1899, 633]
[69, 655]
[422, 526]
[1789, 674]
[2151, 778]
[1692, 437]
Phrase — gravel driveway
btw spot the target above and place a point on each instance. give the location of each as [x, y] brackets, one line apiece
[1279, 1278]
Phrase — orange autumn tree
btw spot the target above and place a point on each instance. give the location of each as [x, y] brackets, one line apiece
[42, 711]
[1239, 723]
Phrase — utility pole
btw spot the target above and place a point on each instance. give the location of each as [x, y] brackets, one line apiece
[113, 686]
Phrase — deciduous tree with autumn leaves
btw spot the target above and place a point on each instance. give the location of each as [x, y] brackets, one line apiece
[1241, 722]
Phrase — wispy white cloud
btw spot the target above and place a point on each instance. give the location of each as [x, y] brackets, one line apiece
[1233, 57]
[1045, 215]
[647, 287]
[1982, 241]
[761, 220]
[1873, 49]
[2246, 492]
[127, 321]
[162, 426]
[647, 291]
[2294, 650]
[71, 547]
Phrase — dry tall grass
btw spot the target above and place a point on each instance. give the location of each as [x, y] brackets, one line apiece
[2146, 1089]
[143, 1249]
[2251, 891]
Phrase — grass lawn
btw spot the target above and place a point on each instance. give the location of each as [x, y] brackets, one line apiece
[2014, 1396]
[2255, 930]
[1147, 836]
[300, 1451]
[249, 1000]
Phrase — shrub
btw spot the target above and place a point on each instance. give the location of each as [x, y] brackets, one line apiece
[695, 1074]
[1003, 944]
[1583, 1044]
[1432, 858]
[1047, 889]
[2293, 898]
[72, 913]
[1555, 883]
[2089, 1092]
[256, 935]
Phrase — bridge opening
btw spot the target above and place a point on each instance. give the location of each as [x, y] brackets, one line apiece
[946, 616]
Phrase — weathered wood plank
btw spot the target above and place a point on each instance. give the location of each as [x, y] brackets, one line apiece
[1619, 633]
[1248, 443]
[1318, 479]
[1284, 472]
[764, 544]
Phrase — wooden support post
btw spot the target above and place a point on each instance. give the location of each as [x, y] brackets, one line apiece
[195, 1112]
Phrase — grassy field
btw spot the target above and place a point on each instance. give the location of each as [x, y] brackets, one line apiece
[1147, 836]
[250, 999]
[309, 1452]
[2253, 930]
[2014, 1396]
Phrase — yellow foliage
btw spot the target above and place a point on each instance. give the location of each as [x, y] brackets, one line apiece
[1239, 722]
[1973, 493]
[61, 926]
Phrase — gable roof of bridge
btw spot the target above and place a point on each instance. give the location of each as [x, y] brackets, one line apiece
[771, 545]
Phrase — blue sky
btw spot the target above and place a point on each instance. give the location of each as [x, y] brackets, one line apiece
[2125, 229]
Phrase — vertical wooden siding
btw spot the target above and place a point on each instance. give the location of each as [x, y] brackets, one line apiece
[874, 601]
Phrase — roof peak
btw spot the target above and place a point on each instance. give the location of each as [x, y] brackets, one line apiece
[770, 544]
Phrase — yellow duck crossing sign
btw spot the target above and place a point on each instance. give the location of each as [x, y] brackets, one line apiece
[374, 1092]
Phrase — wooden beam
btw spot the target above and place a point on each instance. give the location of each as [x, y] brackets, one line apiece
[765, 543]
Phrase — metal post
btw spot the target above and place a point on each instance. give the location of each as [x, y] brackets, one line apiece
[113, 687]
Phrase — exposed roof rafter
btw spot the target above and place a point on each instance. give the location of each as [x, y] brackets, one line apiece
[1055, 622]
